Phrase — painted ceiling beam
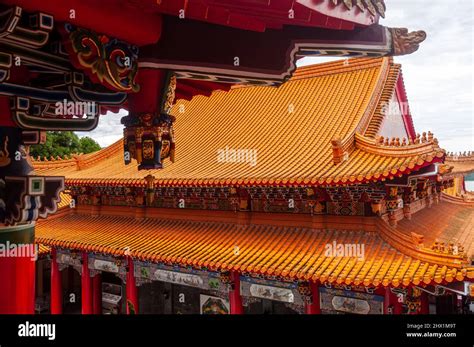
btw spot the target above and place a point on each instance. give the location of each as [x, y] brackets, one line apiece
[130, 24]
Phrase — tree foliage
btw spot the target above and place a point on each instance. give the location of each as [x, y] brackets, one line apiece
[64, 143]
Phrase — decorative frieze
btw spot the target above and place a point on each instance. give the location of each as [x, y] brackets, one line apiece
[98, 263]
[355, 200]
[205, 280]
[286, 292]
[65, 258]
[337, 301]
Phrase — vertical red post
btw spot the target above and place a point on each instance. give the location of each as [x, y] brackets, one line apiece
[315, 306]
[397, 305]
[425, 304]
[131, 288]
[17, 274]
[391, 300]
[235, 299]
[97, 294]
[56, 285]
[387, 301]
[86, 286]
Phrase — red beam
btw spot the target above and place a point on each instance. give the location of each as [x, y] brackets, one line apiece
[129, 24]
[148, 99]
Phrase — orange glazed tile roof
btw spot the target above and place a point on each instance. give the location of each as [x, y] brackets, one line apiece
[277, 251]
[448, 223]
[290, 128]
[64, 200]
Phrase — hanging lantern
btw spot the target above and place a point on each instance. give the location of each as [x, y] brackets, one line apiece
[149, 137]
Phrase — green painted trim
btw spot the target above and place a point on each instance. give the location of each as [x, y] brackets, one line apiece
[20, 234]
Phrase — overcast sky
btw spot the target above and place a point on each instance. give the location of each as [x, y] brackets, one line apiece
[438, 78]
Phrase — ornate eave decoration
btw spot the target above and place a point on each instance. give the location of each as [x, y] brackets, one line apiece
[28, 198]
[373, 6]
[47, 76]
[105, 60]
[24, 197]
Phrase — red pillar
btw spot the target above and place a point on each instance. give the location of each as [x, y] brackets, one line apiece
[425, 304]
[315, 306]
[97, 294]
[235, 299]
[17, 274]
[397, 305]
[86, 286]
[56, 285]
[388, 301]
[391, 300]
[131, 288]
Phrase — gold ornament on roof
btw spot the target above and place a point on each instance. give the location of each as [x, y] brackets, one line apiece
[170, 94]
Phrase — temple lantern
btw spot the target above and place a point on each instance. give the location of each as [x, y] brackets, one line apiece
[148, 136]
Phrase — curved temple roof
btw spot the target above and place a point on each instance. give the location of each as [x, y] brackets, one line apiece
[289, 252]
[318, 128]
[463, 163]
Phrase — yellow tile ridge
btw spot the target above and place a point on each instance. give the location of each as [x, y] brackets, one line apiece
[459, 200]
[400, 242]
[376, 118]
[427, 148]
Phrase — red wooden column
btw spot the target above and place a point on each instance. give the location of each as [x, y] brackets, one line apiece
[17, 274]
[425, 304]
[387, 301]
[56, 285]
[131, 288]
[86, 286]
[315, 306]
[235, 299]
[391, 299]
[97, 294]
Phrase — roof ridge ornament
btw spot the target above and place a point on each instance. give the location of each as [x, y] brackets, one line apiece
[404, 42]
[374, 6]
[338, 151]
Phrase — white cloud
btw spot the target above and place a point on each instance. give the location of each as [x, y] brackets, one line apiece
[109, 129]
[439, 77]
